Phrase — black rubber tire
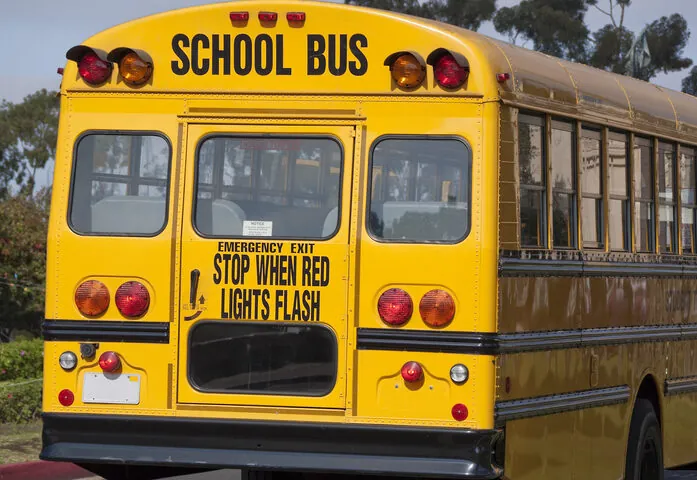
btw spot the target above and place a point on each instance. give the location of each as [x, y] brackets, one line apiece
[644, 448]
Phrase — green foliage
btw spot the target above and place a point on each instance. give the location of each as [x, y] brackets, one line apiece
[463, 13]
[20, 402]
[555, 27]
[21, 360]
[28, 134]
[689, 83]
[23, 232]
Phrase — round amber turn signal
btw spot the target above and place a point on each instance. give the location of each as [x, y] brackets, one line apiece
[92, 298]
[437, 308]
[407, 71]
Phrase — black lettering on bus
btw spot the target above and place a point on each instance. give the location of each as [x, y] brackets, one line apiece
[218, 275]
[280, 68]
[221, 54]
[243, 65]
[337, 67]
[179, 42]
[360, 66]
[199, 42]
[315, 51]
[263, 54]
[315, 271]
[265, 308]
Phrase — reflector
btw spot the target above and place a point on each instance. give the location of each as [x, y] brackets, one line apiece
[459, 412]
[66, 397]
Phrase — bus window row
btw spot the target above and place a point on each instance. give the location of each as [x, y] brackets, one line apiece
[588, 187]
[276, 187]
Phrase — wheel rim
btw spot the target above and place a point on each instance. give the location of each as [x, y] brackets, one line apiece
[649, 460]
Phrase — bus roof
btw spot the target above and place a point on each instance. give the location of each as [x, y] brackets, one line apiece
[340, 49]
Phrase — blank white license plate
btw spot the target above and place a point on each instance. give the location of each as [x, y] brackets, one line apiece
[123, 388]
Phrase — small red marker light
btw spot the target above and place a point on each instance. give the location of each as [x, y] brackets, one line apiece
[460, 412]
[412, 372]
[295, 16]
[60, 71]
[502, 77]
[268, 16]
[239, 16]
[109, 361]
[66, 398]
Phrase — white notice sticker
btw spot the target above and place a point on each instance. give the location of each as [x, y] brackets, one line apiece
[257, 228]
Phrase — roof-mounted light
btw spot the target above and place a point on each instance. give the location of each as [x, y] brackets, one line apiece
[295, 17]
[135, 66]
[451, 69]
[92, 64]
[239, 17]
[408, 69]
[268, 17]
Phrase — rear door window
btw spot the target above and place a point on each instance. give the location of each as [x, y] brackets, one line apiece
[420, 190]
[275, 187]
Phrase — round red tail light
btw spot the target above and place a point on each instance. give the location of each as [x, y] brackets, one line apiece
[460, 412]
[412, 372]
[395, 306]
[449, 74]
[132, 299]
[93, 69]
[109, 361]
[66, 398]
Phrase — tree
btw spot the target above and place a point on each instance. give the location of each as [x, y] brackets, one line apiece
[468, 14]
[23, 231]
[666, 39]
[555, 27]
[689, 83]
[28, 134]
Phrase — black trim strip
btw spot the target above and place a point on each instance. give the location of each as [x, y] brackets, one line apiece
[102, 331]
[502, 343]
[551, 404]
[514, 267]
[678, 386]
[427, 341]
[419, 452]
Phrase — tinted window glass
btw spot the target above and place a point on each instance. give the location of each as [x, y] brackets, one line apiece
[262, 358]
[420, 190]
[120, 184]
[563, 184]
[618, 209]
[531, 140]
[268, 187]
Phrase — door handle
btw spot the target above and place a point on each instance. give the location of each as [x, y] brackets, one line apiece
[195, 274]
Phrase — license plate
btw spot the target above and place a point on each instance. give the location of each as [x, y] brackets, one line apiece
[122, 388]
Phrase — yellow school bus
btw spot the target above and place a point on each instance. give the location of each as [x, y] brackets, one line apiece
[300, 238]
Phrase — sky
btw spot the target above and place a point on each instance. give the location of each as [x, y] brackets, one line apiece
[35, 34]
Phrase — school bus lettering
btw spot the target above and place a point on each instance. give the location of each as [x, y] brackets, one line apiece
[270, 271]
[320, 57]
[221, 54]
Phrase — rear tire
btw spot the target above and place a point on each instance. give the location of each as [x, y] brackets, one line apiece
[644, 448]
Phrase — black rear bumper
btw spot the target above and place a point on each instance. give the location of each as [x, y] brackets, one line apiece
[287, 446]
